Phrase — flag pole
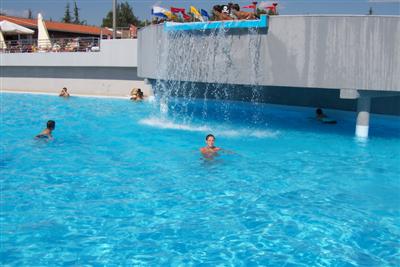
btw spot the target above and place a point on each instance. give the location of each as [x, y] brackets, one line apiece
[114, 18]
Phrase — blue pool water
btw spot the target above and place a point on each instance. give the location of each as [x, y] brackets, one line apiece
[123, 184]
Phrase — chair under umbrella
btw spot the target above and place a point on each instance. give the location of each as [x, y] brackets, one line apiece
[44, 42]
[11, 28]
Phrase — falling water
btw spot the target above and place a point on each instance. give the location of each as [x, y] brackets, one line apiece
[186, 58]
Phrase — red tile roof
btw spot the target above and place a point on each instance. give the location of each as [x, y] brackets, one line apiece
[58, 26]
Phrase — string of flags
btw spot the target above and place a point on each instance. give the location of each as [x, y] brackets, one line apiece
[174, 11]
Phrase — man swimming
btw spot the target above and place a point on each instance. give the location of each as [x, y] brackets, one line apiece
[210, 149]
[46, 133]
[320, 116]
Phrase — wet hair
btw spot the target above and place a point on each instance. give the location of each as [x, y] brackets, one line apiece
[217, 8]
[210, 135]
[51, 124]
[65, 88]
[318, 111]
[236, 7]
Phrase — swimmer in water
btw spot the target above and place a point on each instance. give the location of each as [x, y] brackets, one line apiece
[64, 92]
[210, 149]
[46, 133]
[320, 116]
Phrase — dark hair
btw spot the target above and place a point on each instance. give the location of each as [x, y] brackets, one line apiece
[318, 111]
[65, 88]
[210, 135]
[217, 8]
[236, 7]
[51, 124]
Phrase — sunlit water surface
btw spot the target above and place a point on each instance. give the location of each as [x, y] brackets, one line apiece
[122, 184]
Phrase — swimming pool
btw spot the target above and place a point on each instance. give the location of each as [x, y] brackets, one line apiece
[122, 184]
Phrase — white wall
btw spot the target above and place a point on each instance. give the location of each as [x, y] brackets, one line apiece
[113, 53]
[110, 72]
[333, 52]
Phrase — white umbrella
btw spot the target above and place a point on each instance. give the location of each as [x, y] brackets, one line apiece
[2, 42]
[43, 35]
[10, 28]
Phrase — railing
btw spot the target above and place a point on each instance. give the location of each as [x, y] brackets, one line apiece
[80, 44]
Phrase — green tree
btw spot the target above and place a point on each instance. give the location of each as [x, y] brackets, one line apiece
[125, 16]
[30, 14]
[76, 14]
[144, 23]
[67, 15]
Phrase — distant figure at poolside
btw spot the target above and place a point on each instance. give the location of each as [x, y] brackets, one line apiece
[136, 94]
[235, 10]
[210, 149]
[320, 116]
[46, 133]
[219, 15]
[140, 94]
[64, 92]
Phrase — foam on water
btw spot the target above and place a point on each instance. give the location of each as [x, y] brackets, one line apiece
[218, 130]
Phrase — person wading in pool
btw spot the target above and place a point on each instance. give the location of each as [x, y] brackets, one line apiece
[64, 92]
[210, 149]
[46, 133]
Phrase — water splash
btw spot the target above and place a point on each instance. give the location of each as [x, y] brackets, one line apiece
[220, 130]
[185, 65]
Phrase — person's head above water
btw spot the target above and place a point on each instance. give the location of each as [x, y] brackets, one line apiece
[51, 124]
[210, 140]
[318, 111]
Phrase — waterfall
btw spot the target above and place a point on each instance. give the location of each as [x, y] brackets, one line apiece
[185, 58]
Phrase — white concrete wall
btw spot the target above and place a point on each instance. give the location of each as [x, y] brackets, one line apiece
[332, 52]
[113, 53]
[110, 72]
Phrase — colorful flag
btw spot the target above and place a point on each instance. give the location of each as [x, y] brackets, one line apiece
[158, 12]
[186, 16]
[170, 15]
[178, 10]
[204, 13]
[196, 13]
[249, 6]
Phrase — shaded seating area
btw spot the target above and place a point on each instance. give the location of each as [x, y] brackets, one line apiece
[10, 28]
[80, 44]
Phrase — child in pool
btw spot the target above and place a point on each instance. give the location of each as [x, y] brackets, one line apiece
[210, 149]
[46, 133]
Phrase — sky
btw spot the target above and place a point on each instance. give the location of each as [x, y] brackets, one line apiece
[93, 11]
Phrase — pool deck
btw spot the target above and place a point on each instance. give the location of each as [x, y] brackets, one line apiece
[72, 95]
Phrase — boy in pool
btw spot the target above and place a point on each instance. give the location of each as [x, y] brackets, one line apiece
[210, 149]
[46, 133]
[320, 116]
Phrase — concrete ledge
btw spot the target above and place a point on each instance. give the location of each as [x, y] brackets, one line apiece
[211, 25]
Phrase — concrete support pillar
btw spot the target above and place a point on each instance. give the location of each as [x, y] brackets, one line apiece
[363, 110]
